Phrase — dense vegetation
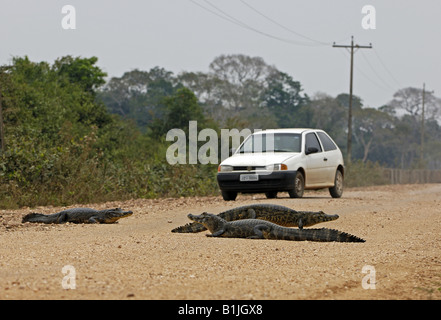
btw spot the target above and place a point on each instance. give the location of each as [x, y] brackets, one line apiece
[72, 137]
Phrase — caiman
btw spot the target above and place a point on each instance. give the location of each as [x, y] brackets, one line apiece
[277, 214]
[79, 215]
[261, 229]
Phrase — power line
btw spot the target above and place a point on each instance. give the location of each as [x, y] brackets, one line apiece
[375, 72]
[213, 12]
[284, 27]
[363, 74]
[387, 69]
[246, 26]
[225, 16]
[236, 21]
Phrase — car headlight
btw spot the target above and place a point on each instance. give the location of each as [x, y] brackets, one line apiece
[276, 167]
[224, 168]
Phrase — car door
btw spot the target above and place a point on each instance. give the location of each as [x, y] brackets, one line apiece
[332, 154]
[315, 172]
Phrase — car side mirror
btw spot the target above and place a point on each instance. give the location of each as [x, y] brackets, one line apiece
[311, 150]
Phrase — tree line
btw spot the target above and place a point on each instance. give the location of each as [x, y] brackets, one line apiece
[70, 136]
[240, 92]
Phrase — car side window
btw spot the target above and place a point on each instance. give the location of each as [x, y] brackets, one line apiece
[311, 141]
[327, 143]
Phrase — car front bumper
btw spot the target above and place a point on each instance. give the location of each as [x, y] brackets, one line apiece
[271, 181]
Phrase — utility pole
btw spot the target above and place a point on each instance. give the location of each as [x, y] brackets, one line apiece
[422, 124]
[352, 47]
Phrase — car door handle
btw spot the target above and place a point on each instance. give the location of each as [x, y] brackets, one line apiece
[325, 159]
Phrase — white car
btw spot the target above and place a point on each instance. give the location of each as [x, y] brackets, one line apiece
[277, 160]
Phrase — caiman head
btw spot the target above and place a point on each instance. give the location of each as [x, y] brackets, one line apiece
[320, 216]
[113, 215]
[210, 221]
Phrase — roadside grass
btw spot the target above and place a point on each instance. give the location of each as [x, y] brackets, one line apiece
[84, 181]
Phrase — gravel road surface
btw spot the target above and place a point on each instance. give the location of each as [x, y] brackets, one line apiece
[139, 258]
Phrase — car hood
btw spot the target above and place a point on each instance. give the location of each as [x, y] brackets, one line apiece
[258, 159]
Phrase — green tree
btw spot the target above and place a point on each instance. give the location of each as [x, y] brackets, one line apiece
[51, 126]
[180, 108]
[138, 95]
[80, 71]
[371, 126]
[284, 100]
[240, 86]
[325, 112]
[343, 99]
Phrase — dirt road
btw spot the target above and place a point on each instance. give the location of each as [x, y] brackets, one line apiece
[139, 258]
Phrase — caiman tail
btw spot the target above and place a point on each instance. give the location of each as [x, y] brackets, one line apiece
[38, 217]
[322, 234]
[192, 227]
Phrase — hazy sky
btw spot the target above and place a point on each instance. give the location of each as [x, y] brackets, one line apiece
[186, 35]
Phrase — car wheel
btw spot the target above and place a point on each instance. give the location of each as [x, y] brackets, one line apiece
[271, 194]
[337, 190]
[299, 186]
[229, 195]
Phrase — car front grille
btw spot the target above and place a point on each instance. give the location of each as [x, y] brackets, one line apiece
[248, 168]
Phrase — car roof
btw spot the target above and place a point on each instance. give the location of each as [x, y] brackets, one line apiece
[285, 130]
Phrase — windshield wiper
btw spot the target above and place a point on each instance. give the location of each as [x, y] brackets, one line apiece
[281, 150]
[264, 151]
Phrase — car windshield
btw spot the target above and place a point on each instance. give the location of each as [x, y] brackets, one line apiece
[277, 142]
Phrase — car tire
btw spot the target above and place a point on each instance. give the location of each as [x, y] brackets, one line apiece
[229, 195]
[337, 190]
[271, 194]
[299, 186]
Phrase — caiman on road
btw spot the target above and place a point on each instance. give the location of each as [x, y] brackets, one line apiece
[261, 229]
[277, 214]
[79, 215]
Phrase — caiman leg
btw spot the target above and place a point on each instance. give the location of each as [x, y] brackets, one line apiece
[62, 218]
[217, 233]
[258, 232]
[92, 220]
[252, 214]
